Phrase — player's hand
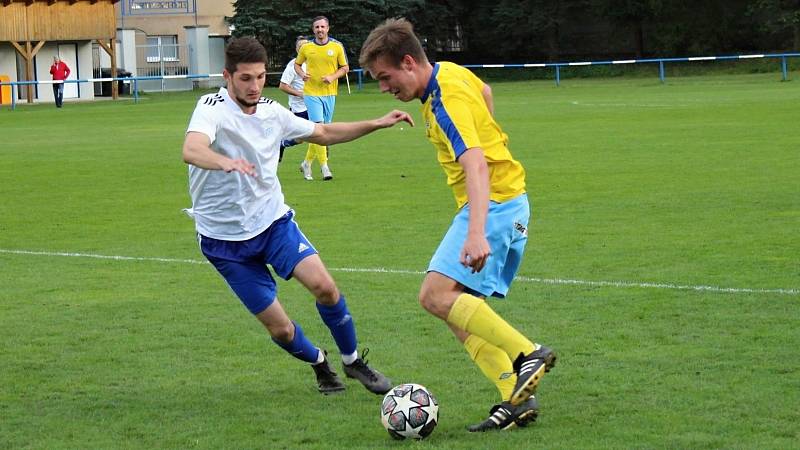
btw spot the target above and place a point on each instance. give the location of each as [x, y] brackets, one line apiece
[327, 79]
[305, 77]
[393, 117]
[239, 165]
[475, 252]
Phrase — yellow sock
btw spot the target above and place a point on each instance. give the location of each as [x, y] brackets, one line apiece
[311, 152]
[320, 152]
[474, 316]
[494, 363]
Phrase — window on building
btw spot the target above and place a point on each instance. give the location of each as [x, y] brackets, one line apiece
[162, 48]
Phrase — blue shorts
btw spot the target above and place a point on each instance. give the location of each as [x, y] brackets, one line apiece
[320, 108]
[507, 233]
[243, 264]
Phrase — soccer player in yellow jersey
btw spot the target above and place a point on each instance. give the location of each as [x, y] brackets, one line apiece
[325, 63]
[482, 250]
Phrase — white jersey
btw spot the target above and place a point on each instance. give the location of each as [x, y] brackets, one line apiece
[232, 206]
[290, 77]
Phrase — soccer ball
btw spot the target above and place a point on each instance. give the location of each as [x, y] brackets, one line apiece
[409, 411]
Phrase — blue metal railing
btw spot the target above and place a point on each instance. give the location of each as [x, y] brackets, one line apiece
[360, 72]
[660, 61]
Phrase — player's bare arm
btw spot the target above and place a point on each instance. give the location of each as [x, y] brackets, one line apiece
[476, 248]
[338, 132]
[328, 79]
[290, 90]
[197, 152]
[300, 72]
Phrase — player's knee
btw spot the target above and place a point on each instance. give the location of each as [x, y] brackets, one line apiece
[325, 291]
[282, 332]
[428, 301]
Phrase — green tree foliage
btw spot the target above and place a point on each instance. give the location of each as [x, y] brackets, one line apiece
[631, 16]
[531, 25]
[778, 17]
[277, 23]
[476, 31]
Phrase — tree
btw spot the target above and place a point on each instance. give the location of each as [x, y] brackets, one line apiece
[520, 30]
[779, 16]
[631, 15]
[277, 23]
[266, 21]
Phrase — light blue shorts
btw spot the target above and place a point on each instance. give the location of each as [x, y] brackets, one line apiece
[507, 233]
[320, 108]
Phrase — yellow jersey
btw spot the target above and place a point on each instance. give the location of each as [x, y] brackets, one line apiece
[456, 119]
[321, 60]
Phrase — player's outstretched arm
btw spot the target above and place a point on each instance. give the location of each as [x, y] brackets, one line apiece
[197, 152]
[337, 132]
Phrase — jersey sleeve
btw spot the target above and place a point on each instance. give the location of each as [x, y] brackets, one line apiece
[301, 55]
[288, 73]
[293, 127]
[342, 56]
[203, 118]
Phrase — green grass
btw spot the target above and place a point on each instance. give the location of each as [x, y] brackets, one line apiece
[693, 183]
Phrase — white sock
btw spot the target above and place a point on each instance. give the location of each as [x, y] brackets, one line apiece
[351, 358]
[320, 357]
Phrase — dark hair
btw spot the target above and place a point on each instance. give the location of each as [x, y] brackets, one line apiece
[244, 50]
[394, 39]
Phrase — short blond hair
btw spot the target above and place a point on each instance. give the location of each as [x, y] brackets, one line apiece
[393, 39]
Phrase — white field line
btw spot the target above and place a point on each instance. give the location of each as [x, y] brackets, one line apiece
[552, 281]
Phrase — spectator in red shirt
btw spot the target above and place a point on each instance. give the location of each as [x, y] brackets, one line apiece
[59, 71]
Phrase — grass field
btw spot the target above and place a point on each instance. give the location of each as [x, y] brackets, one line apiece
[663, 266]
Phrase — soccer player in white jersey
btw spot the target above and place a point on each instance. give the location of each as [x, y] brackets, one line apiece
[242, 222]
[292, 84]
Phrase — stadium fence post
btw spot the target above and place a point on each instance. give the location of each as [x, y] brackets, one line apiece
[783, 67]
[661, 70]
[558, 75]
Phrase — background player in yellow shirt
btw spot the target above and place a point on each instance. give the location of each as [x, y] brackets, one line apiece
[325, 63]
[482, 250]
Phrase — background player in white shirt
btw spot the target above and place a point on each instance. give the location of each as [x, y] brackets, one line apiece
[292, 84]
[242, 222]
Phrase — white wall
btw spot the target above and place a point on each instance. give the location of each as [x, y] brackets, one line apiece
[85, 66]
[8, 60]
[82, 70]
[44, 59]
[216, 59]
